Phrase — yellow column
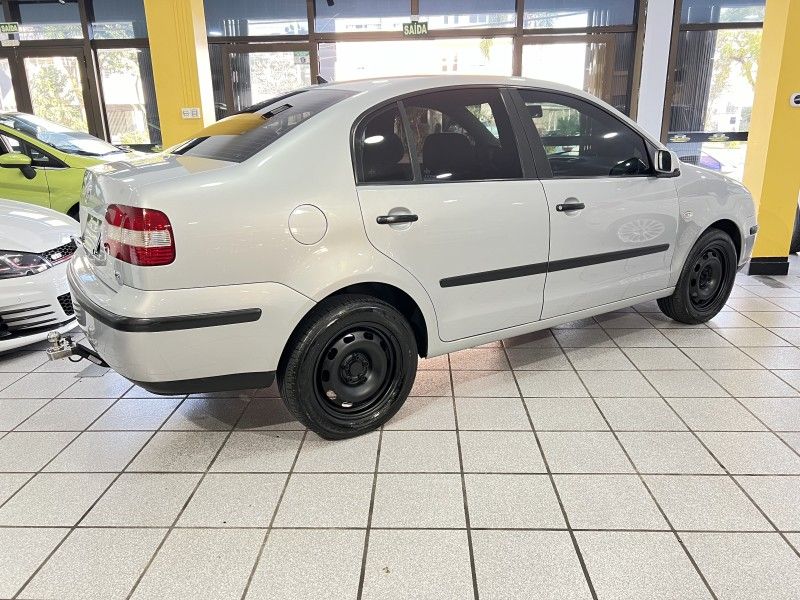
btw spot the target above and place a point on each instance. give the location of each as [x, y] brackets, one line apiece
[181, 69]
[771, 169]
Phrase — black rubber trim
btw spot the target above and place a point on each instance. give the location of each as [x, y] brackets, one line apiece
[218, 383]
[496, 275]
[159, 324]
[551, 267]
[598, 259]
[754, 230]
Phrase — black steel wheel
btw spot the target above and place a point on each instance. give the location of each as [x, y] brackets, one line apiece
[706, 280]
[350, 366]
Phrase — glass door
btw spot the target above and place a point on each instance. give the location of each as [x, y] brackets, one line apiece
[58, 86]
[51, 83]
[254, 73]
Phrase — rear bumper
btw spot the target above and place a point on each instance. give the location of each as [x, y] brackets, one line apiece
[188, 340]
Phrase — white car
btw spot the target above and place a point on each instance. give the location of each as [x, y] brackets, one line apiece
[333, 235]
[35, 247]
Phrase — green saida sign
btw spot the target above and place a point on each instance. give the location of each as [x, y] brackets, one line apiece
[415, 28]
[9, 27]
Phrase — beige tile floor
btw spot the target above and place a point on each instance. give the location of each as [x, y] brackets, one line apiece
[624, 456]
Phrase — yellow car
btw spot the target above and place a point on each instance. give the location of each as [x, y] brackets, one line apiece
[43, 163]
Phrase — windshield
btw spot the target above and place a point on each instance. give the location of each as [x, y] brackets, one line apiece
[243, 135]
[57, 136]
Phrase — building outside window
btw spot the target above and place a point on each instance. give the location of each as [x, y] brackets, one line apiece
[710, 92]
[589, 44]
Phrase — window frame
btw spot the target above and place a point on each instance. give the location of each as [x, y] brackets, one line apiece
[537, 146]
[527, 163]
[54, 163]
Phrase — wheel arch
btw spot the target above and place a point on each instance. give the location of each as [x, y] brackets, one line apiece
[732, 229]
[390, 294]
[400, 300]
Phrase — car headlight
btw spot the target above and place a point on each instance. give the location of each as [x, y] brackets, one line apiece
[20, 264]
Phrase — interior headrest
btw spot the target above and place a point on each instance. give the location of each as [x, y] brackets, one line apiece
[447, 153]
[386, 151]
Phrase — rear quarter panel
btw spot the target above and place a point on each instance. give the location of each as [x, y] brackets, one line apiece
[231, 224]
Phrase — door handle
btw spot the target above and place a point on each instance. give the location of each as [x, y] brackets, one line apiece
[571, 206]
[393, 219]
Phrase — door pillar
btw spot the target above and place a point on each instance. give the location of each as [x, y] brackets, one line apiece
[771, 170]
[181, 67]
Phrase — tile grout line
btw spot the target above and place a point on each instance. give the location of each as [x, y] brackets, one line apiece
[171, 527]
[470, 546]
[650, 492]
[271, 524]
[365, 550]
[74, 526]
[735, 481]
[78, 433]
[573, 537]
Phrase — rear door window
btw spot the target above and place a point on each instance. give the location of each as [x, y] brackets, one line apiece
[463, 135]
[382, 148]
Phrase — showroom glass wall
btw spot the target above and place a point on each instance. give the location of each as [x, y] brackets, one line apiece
[84, 64]
[712, 73]
[259, 49]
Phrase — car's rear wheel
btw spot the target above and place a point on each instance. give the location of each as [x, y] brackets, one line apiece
[706, 280]
[349, 367]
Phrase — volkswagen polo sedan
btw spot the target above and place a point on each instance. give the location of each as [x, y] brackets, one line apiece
[333, 235]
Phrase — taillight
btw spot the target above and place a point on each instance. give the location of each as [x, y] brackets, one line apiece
[139, 236]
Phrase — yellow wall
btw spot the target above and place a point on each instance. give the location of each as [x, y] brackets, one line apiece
[772, 166]
[181, 69]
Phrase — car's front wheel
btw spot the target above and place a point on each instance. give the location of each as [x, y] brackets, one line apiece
[350, 366]
[706, 280]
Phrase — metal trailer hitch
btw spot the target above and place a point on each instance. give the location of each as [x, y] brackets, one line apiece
[62, 346]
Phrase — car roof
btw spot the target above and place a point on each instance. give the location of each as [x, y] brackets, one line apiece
[399, 85]
[371, 92]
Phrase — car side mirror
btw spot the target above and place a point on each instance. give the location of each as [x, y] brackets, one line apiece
[666, 164]
[18, 160]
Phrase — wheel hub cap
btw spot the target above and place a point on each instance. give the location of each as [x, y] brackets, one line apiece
[355, 369]
[706, 279]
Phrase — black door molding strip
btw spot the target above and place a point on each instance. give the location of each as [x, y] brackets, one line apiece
[550, 267]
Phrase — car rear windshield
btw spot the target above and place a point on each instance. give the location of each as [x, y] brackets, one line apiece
[244, 134]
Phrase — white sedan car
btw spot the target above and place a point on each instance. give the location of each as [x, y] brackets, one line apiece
[335, 234]
[35, 246]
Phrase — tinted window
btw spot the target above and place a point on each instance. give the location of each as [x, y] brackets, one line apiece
[383, 148]
[556, 14]
[722, 11]
[582, 140]
[463, 134]
[118, 19]
[256, 17]
[241, 136]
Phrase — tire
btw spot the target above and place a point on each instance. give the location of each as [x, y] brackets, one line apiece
[349, 367]
[706, 280]
[794, 245]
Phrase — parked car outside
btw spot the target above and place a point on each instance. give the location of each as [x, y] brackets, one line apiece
[43, 163]
[335, 234]
[35, 246]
